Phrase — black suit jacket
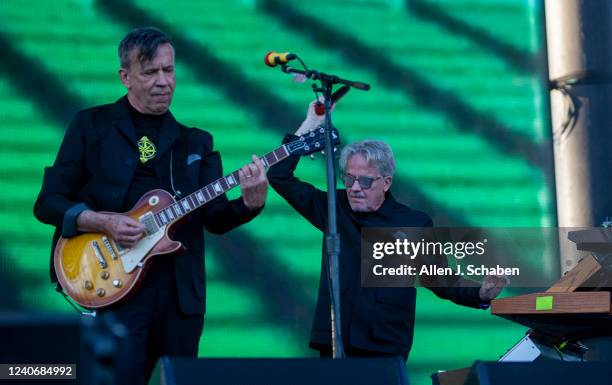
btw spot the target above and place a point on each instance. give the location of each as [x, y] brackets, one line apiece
[375, 319]
[95, 165]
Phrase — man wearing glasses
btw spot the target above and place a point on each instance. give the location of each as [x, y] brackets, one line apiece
[375, 321]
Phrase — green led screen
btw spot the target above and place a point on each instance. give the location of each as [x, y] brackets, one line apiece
[457, 90]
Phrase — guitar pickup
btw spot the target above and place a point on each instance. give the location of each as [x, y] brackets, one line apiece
[99, 255]
[150, 225]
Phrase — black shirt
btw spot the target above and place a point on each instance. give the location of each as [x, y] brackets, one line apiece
[160, 271]
[145, 178]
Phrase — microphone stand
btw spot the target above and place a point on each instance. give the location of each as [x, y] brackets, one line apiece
[332, 239]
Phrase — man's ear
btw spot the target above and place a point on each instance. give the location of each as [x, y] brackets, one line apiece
[388, 181]
[125, 79]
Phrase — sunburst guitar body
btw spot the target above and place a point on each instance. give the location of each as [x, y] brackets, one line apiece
[96, 271]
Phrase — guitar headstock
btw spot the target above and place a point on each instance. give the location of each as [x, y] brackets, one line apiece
[312, 142]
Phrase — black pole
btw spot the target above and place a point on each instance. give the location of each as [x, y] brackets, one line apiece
[332, 237]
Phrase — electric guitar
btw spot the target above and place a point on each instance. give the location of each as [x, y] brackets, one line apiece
[96, 271]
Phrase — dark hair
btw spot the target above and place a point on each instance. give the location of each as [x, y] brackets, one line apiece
[145, 40]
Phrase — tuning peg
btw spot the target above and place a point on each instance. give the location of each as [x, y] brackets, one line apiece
[322, 152]
[312, 156]
[335, 149]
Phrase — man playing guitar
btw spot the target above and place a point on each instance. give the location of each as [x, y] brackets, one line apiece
[111, 156]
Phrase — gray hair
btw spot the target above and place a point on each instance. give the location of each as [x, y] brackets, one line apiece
[375, 152]
[146, 40]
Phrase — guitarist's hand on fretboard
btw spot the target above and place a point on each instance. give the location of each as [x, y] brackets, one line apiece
[253, 184]
[119, 227]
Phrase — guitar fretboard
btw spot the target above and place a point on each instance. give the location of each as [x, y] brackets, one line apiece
[212, 190]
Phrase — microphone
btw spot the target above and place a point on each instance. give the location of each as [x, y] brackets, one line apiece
[273, 59]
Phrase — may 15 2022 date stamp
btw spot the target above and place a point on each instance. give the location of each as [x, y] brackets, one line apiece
[37, 371]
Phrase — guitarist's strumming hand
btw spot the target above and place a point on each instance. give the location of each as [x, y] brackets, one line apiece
[121, 228]
[253, 184]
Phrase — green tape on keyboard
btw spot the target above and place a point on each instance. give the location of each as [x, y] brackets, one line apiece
[544, 303]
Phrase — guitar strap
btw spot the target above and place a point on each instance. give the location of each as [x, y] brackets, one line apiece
[177, 193]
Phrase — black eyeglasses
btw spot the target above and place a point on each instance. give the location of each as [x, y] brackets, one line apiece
[365, 182]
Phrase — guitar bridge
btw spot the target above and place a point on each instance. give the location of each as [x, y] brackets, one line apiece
[109, 247]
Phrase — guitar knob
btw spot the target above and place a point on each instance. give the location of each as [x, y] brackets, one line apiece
[88, 285]
[117, 283]
[104, 275]
[101, 292]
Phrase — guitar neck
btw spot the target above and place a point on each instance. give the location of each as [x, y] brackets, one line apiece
[212, 190]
